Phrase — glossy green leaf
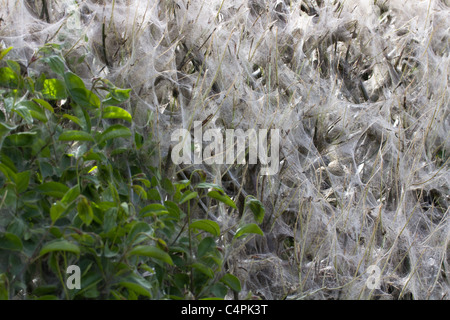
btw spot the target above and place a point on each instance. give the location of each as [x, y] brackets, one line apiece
[85, 212]
[9, 241]
[22, 181]
[73, 81]
[24, 112]
[138, 140]
[222, 197]
[53, 189]
[207, 185]
[36, 111]
[55, 63]
[115, 131]
[203, 269]
[153, 209]
[206, 225]
[140, 227]
[153, 194]
[57, 210]
[14, 66]
[188, 195]
[60, 245]
[85, 98]
[140, 191]
[116, 113]
[8, 78]
[232, 282]
[257, 208]
[120, 95]
[71, 195]
[137, 284]
[4, 130]
[44, 104]
[4, 287]
[74, 119]
[248, 228]
[219, 290]
[22, 139]
[208, 244]
[4, 52]
[8, 172]
[173, 209]
[75, 135]
[153, 252]
[54, 89]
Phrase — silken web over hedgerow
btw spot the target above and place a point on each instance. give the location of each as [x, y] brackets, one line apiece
[358, 89]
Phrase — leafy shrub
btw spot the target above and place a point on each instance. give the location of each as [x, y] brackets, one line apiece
[77, 189]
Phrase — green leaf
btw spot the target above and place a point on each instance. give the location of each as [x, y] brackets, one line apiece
[115, 131]
[154, 209]
[35, 111]
[203, 269]
[74, 119]
[57, 210]
[46, 169]
[4, 52]
[4, 287]
[14, 66]
[9, 241]
[257, 208]
[207, 185]
[140, 191]
[138, 140]
[4, 131]
[73, 81]
[188, 195]
[44, 104]
[23, 111]
[182, 184]
[116, 113]
[54, 89]
[206, 245]
[232, 282]
[22, 139]
[222, 197]
[53, 189]
[85, 212]
[174, 210]
[120, 95]
[22, 181]
[56, 64]
[8, 172]
[85, 98]
[75, 135]
[167, 185]
[219, 290]
[60, 245]
[206, 225]
[153, 252]
[8, 78]
[137, 284]
[140, 227]
[248, 228]
[116, 96]
[153, 194]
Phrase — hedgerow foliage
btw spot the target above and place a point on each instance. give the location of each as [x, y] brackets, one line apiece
[77, 187]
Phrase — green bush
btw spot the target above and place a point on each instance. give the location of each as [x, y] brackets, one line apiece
[76, 190]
